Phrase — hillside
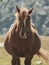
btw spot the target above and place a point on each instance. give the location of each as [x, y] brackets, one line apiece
[40, 14]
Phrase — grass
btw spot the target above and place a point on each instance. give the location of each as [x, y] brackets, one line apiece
[1, 38]
[45, 42]
[5, 58]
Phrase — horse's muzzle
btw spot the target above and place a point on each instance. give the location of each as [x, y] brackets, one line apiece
[24, 34]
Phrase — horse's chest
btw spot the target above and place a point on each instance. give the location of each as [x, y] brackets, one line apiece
[22, 46]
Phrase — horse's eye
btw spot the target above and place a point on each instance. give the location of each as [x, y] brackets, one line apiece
[28, 17]
[19, 17]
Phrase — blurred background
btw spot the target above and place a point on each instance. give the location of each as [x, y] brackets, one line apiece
[40, 17]
[40, 14]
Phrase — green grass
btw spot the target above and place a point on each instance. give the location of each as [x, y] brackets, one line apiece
[5, 58]
[45, 42]
[1, 38]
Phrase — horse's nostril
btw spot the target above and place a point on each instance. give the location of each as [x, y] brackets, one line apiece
[22, 33]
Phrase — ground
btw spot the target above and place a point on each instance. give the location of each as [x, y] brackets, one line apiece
[5, 58]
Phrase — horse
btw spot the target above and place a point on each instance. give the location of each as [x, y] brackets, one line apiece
[22, 39]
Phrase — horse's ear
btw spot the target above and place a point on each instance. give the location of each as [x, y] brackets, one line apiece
[30, 10]
[18, 9]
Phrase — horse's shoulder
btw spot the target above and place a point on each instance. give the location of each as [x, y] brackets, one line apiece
[11, 29]
[33, 26]
[34, 30]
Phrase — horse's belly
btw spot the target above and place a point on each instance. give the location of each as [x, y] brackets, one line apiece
[21, 54]
[20, 51]
[23, 50]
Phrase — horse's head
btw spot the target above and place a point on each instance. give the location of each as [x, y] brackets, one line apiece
[24, 20]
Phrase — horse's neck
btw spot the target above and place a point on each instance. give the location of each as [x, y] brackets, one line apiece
[17, 25]
[13, 26]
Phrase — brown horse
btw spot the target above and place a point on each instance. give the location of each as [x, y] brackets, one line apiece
[22, 39]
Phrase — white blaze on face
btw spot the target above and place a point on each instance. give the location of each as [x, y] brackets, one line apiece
[24, 24]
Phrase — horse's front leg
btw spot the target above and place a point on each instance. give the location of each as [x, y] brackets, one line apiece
[28, 60]
[15, 57]
[15, 60]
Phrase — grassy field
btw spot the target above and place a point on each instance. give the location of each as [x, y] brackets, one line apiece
[1, 38]
[5, 58]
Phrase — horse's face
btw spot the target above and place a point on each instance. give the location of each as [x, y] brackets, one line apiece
[24, 20]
